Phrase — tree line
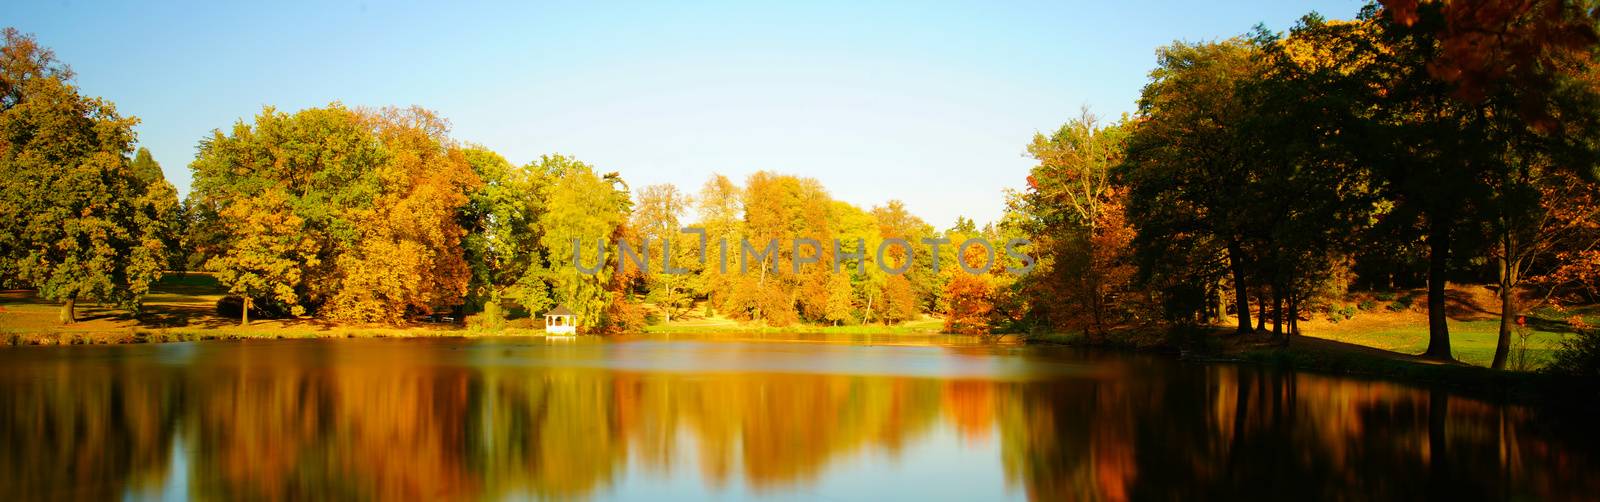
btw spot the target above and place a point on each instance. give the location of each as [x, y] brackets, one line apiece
[1265, 175]
[363, 215]
[1261, 178]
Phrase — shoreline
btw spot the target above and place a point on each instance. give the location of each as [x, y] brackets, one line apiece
[1303, 354]
[1327, 357]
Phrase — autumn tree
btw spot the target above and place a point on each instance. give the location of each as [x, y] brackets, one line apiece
[976, 297]
[321, 158]
[407, 256]
[720, 210]
[1075, 209]
[785, 218]
[859, 236]
[656, 218]
[913, 291]
[266, 251]
[378, 192]
[1451, 87]
[77, 222]
[1526, 70]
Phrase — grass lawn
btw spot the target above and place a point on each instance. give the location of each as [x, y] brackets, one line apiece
[1473, 342]
[1474, 328]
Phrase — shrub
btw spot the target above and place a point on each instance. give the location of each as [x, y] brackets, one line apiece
[621, 317]
[1386, 296]
[1367, 305]
[1578, 355]
[1399, 304]
[1336, 314]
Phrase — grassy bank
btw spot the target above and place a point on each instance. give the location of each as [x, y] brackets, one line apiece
[1214, 345]
[1369, 341]
[182, 307]
[1396, 324]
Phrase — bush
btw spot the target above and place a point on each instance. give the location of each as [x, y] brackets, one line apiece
[1386, 296]
[1578, 355]
[621, 317]
[485, 321]
[1367, 305]
[1341, 313]
[1399, 304]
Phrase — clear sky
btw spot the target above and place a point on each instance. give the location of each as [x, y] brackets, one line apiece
[932, 104]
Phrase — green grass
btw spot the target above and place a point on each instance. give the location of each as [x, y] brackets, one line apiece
[1471, 379]
[1472, 342]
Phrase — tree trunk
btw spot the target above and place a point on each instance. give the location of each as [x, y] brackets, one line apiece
[1508, 310]
[1222, 301]
[868, 317]
[244, 314]
[1261, 312]
[69, 312]
[1294, 314]
[1241, 300]
[1438, 261]
[1277, 311]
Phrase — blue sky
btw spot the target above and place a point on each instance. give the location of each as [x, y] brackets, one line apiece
[931, 104]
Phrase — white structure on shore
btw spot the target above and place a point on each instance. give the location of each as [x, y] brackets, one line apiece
[560, 321]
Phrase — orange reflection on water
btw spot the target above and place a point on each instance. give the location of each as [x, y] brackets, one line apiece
[436, 421]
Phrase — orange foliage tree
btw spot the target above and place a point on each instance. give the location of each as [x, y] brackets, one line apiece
[1074, 211]
[409, 257]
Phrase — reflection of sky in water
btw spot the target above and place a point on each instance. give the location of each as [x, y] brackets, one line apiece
[922, 471]
[175, 486]
[776, 357]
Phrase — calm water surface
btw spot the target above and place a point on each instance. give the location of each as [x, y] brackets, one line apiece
[657, 418]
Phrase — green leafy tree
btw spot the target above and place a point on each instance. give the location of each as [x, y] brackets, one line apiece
[158, 211]
[502, 244]
[77, 222]
[589, 209]
[1188, 174]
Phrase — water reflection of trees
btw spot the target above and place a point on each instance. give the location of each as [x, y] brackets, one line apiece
[260, 428]
[1224, 433]
[84, 433]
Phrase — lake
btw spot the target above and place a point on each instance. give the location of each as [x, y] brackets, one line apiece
[773, 417]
